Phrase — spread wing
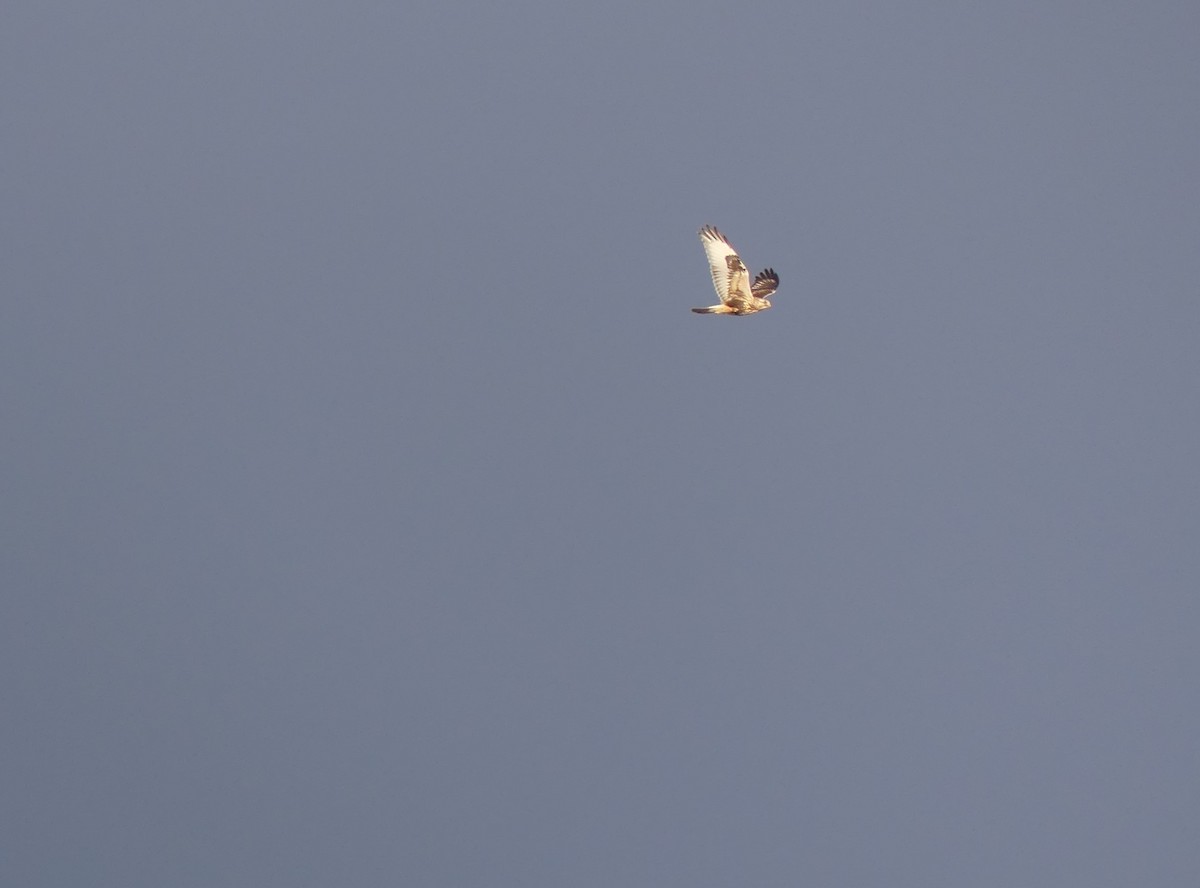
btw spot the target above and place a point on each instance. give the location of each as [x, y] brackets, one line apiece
[729, 273]
[766, 283]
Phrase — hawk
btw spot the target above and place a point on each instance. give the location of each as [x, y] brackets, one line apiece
[732, 279]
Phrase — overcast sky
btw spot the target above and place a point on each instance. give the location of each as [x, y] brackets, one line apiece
[375, 512]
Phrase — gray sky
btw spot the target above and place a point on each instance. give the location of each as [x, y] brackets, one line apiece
[376, 513]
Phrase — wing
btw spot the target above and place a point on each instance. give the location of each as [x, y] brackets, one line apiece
[729, 274]
[765, 284]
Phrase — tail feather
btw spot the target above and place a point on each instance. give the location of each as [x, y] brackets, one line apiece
[714, 310]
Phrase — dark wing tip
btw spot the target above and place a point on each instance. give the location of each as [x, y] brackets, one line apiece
[765, 283]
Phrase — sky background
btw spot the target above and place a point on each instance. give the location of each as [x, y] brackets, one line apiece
[375, 512]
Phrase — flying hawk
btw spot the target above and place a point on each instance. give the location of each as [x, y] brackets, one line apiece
[732, 279]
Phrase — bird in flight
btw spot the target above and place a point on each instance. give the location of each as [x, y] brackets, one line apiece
[732, 279]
